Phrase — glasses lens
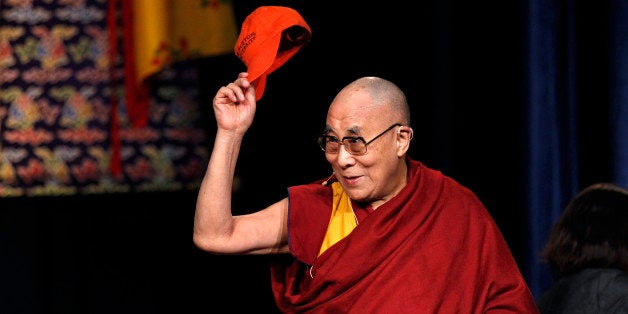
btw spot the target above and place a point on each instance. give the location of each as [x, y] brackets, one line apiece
[355, 145]
[322, 142]
[329, 144]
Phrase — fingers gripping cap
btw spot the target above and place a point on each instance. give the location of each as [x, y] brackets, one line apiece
[270, 35]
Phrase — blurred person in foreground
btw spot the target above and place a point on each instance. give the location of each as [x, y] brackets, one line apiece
[587, 251]
[383, 234]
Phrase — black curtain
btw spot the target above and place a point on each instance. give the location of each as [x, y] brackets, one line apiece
[576, 108]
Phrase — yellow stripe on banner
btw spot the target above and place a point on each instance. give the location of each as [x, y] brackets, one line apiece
[167, 31]
[208, 27]
[151, 31]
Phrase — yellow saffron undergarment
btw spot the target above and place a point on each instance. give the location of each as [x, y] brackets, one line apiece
[342, 221]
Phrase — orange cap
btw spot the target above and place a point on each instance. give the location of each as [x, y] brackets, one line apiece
[270, 35]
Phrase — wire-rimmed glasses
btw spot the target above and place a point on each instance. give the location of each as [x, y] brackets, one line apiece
[354, 145]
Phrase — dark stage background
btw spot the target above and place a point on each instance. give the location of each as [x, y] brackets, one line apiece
[463, 66]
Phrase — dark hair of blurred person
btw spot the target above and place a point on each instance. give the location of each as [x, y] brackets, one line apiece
[587, 251]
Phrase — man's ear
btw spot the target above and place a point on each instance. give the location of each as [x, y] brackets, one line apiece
[404, 135]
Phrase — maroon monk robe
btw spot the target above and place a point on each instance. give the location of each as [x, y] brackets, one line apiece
[433, 248]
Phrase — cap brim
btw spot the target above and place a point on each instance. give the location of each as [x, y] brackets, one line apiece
[259, 65]
[260, 86]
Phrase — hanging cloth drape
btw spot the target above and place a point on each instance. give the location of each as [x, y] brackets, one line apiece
[156, 34]
[556, 58]
[619, 90]
[161, 32]
[552, 138]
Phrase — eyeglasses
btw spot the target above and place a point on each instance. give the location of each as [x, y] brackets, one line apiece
[354, 145]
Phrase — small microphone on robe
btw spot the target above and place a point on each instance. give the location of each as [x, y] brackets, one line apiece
[328, 179]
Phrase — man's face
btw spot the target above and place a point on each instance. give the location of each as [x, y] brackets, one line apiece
[369, 177]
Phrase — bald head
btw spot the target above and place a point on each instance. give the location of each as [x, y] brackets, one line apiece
[383, 95]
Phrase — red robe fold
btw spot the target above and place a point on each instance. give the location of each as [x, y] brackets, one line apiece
[433, 248]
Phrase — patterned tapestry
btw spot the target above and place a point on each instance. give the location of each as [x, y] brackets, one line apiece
[56, 95]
